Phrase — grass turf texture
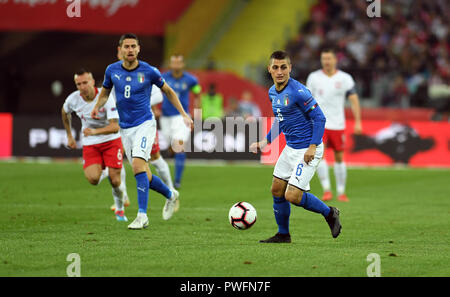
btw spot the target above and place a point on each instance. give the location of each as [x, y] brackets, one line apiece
[50, 211]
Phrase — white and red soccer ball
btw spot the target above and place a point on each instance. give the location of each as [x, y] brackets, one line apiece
[242, 215]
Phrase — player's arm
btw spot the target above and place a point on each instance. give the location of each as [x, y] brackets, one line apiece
[112, 127]
[273, 133]
[173, 98]
[356, 109]
[66, 119]
[319, 120]
[102, 99]
[156, 98]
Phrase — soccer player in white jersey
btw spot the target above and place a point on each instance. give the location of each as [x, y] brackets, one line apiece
[331, 86]
[133, 80]
[102, 145]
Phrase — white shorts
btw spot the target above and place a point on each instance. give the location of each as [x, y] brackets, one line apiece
[292, 168]
[138, 141]
[174, 128]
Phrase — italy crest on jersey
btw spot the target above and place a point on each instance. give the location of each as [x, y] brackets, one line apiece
[141, 77]
[286, 100]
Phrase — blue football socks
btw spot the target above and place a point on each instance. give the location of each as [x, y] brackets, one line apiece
[282, 211]
[312, 203]
[142, 185]
[156, 184]
[180, 159]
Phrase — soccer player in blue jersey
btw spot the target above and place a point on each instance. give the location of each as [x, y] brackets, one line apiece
[132, 80]
[302, 122]
[182, 82]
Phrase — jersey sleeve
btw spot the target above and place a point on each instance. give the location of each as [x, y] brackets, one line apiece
[194, 85]
[68, 105]
[156, 97]
[107, 82]
[305, 100]
[156, 78]
[111, 109]
[350, 86]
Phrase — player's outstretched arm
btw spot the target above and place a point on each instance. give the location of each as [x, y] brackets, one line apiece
[258, 146]
[173, 98]
[112, 127]
[66, 119]
[271, 135]
[102, 98]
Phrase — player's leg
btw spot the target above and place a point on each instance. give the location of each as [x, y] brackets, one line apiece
[281, 207]
[123, 185]
[180, 136]
[324, 174]
[137, 149]
[92, 164]
[118, 194]
[340, 173]
[180, 160]
[161, 166]
[340, 168]
[298, 187]
[112, 154]
[164, 187]
[93, 173]
[123, 188]
[310, 202]
[142, 140]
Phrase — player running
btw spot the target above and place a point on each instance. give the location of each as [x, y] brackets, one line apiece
[161, 166]
[171, 121]
[331, 87]
[302, 122]
[133, 80]
[102, 145]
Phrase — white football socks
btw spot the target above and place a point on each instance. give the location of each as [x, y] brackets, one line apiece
[340, 173]
[163, 170]
[118, 196]
[123, 181]
[324, 175]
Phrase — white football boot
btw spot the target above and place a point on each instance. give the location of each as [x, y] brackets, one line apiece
[172, 205]
[140, 222]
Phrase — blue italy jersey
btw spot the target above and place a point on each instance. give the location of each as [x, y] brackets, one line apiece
[298, 115]
[181, 86]
[133, 88]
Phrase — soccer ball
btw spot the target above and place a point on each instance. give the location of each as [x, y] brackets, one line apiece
[242, 215]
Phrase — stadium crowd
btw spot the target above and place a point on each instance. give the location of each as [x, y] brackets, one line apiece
[400, 59]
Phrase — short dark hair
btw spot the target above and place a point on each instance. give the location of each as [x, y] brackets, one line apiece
[82, 71]
[328, 49]
[128, 36]
[279, 55]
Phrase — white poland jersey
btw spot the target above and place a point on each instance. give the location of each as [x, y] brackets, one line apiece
[76, 103]
[330, 93]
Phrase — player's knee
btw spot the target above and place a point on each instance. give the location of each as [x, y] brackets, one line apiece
[290, 197]
[293, 196]
[115, 181]
[178, 146]
[339, 157]
[93, 180]
[277, 190]
[138, 166]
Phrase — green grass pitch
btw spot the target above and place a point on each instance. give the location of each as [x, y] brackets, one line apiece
[49, 211]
